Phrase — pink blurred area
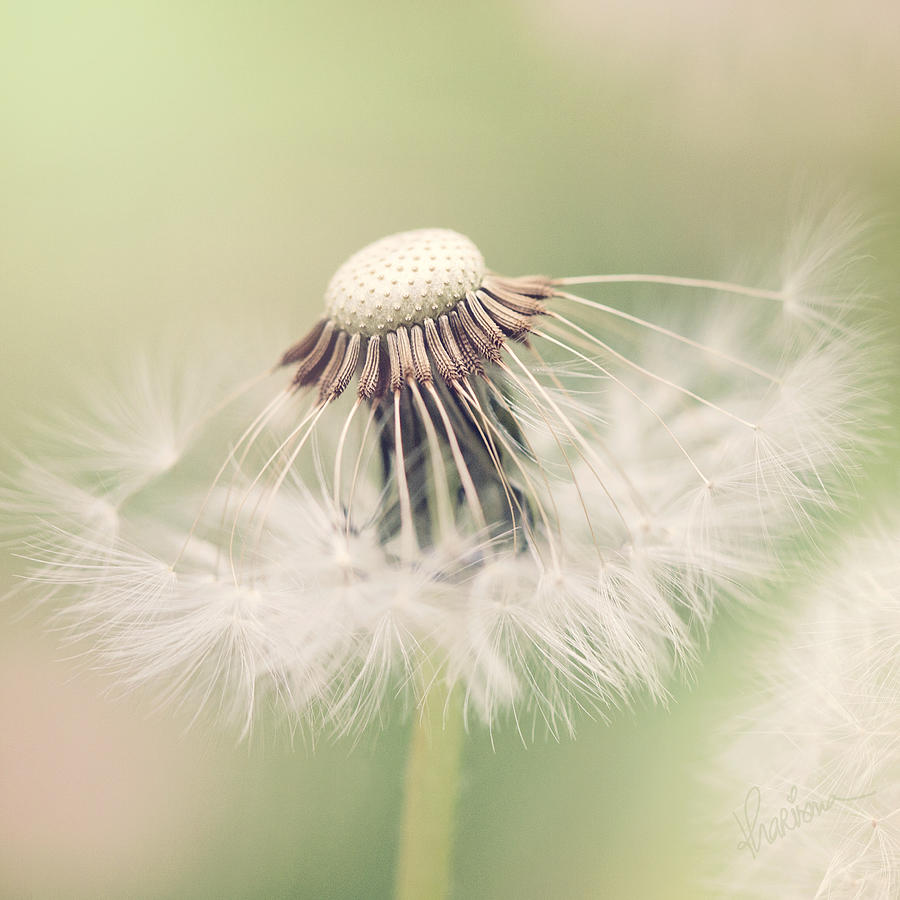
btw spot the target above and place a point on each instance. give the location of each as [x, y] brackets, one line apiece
[94, 799]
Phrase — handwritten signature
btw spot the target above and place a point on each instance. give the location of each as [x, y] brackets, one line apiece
[757, 834]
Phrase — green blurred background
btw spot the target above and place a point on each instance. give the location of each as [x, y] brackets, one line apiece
[201, 168]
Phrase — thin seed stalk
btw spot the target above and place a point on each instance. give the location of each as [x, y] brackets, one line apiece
[431, 790]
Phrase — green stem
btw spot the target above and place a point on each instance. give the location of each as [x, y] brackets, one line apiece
[432, 775]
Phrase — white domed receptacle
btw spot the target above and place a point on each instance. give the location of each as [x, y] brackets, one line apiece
[403, 279]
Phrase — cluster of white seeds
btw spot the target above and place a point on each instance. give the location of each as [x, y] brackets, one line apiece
[403, 279]
[549, 539]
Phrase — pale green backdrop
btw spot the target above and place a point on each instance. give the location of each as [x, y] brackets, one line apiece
[202, 168]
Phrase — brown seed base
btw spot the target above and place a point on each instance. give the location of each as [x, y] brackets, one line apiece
[454, 345]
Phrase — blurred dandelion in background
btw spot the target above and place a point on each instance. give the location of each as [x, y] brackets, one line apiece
[488, 487]
[822, 742]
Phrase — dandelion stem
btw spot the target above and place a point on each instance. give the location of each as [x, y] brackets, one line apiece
[432, 775]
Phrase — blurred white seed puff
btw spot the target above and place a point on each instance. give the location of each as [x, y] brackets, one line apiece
[813, 771]
[534, 495]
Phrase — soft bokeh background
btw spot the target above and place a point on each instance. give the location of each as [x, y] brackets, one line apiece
[202, 168]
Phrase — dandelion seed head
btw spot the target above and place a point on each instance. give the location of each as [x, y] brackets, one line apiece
[537, 497]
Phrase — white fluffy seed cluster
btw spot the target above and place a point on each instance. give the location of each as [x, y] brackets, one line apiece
[663, 478]
[403, 279]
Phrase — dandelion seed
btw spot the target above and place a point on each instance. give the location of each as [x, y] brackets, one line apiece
[526, 492]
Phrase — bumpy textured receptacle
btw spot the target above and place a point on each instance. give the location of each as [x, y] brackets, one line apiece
[424, 307]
